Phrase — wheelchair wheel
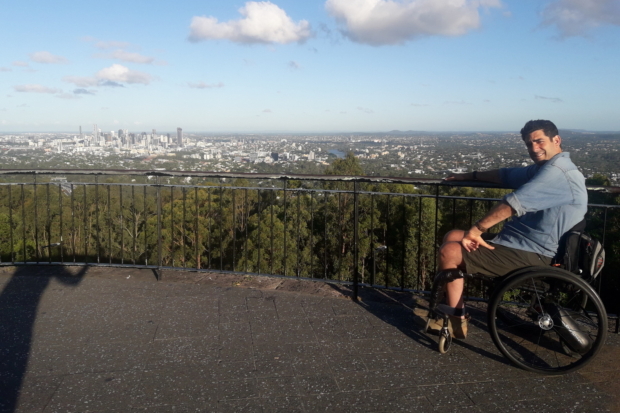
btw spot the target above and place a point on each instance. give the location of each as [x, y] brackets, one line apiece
[538, 320]
[445, 341]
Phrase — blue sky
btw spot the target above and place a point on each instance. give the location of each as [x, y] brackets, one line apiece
[309, 66]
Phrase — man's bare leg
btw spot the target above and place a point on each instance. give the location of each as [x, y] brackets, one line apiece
[451, 258]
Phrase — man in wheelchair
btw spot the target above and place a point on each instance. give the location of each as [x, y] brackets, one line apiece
[550, 198]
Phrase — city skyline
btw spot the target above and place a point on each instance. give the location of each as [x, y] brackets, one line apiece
[300, 67]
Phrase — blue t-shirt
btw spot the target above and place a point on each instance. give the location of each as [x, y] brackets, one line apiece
[549, 200]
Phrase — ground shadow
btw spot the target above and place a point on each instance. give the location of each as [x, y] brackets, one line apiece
[19, 301]
[402, 310]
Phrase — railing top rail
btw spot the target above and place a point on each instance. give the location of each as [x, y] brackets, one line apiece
[246, 175]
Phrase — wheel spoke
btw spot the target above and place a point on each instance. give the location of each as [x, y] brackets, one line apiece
[533, 315]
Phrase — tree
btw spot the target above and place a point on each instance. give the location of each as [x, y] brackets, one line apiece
[598, 180]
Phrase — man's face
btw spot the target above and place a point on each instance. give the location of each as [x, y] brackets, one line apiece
[542, 148]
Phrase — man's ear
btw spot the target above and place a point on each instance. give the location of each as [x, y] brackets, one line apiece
[557, 139]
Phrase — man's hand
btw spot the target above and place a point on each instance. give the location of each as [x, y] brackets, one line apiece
[459, 177]
[473, 240]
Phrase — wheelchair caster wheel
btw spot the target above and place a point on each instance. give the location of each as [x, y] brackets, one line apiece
[445, 341]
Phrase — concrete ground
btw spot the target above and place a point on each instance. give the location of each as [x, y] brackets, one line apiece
[76, 339]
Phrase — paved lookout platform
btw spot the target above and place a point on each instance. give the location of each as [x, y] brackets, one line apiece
[76, 339]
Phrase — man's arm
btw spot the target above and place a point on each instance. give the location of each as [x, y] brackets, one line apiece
[492, 176]
[472, 239]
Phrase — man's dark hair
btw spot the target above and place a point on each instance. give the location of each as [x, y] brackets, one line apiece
[548, 128]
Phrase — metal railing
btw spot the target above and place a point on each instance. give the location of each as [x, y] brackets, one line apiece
[371, 231]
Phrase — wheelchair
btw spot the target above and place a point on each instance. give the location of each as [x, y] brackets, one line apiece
[543, 319]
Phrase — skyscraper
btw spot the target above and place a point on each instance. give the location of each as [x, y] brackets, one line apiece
[95, 134]
[180, 137]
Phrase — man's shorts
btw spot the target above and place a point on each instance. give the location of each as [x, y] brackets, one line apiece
[501, 260]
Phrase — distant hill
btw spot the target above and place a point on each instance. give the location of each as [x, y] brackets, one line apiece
[409, 132]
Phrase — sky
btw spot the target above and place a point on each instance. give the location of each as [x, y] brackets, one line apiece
[312, 66]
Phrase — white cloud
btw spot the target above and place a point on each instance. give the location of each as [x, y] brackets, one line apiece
[203, 85]
[121, 74]
[5, 69]
[47, 57]
[294, 65]
[577, 17]
[81, 81]
[20, 63]
[128, 57]
[267, 111]
[262, 22]
[381, 22]
[113, 76]
[365, 110]
[82, 91]
[32, 88]
[109, 83]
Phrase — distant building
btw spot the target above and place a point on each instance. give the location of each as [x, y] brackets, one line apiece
[274, 156]
[180, 137]
[311, 156]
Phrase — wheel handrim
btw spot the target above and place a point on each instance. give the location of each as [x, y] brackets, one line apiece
[526, 325]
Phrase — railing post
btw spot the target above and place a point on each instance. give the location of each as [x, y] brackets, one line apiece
[72, 223]
[420, 282]
[122, 223]
[258, 223]
[49, 224]
[23, 224]
[11, 225]
[62, 244]
[404, 244]
[234, 227]
[36, 217]
[109, 223]
[372, 239]
[97, 218]
[355, 241]
[158, 272]
[436, 228]
[220, 227]
[196, 238]
[285, 211]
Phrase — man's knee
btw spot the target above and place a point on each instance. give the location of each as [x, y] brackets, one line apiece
[451, 253]
[456, 235]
